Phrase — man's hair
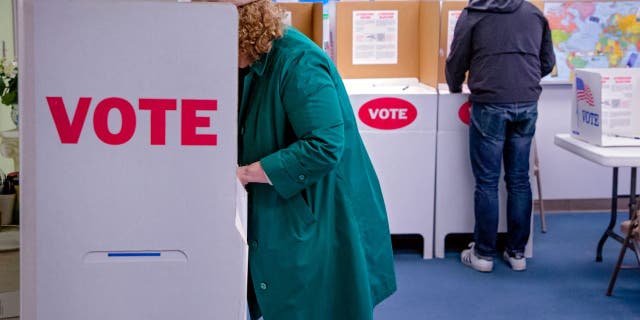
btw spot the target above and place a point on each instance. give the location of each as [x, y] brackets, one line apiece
[260, 24]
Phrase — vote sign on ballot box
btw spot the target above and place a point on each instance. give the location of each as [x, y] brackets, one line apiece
[130, 205]
[606, 106]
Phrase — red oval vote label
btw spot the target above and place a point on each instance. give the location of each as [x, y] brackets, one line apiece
[464, 113]
[387, 113]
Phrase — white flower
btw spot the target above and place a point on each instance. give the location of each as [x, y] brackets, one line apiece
[9, 68]
[8, 81]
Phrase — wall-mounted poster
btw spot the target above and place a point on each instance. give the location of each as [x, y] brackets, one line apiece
[593, 35]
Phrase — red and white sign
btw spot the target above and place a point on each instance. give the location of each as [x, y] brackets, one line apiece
[464, 113]
[387, 113]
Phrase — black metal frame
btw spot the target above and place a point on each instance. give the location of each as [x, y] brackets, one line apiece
[609, 232]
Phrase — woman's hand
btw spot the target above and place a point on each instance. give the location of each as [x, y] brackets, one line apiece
[252, 173]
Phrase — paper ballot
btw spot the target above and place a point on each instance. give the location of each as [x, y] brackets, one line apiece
[241, 210]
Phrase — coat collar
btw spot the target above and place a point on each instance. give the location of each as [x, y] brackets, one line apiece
[257, 68]
[260, 65]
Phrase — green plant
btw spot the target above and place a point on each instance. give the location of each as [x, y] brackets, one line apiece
[8, 81]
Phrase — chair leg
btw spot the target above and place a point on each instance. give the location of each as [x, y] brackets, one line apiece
[614, 276]
[636, 250]
[543, 222]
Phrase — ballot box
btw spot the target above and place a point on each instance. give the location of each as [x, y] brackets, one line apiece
[606, 106]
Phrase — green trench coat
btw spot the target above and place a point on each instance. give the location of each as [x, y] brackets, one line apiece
[319, 243]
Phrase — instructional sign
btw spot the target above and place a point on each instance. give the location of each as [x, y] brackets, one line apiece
[375, 37]
[617, 102]
[454, 15]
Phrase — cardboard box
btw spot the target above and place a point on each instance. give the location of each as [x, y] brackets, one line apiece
[417, 40]
[606, 106]
[306, 17]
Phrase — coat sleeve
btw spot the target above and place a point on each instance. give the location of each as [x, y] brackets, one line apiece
[459, 57]
[547, 56]
[311, 103]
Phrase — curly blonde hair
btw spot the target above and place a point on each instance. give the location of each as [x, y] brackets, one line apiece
[260, 24]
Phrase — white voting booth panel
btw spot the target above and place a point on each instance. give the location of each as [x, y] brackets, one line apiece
[128, 124]
[454, 178]
[403, 153]
[606, 106]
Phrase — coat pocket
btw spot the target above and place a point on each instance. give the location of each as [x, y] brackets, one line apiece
[302, 219]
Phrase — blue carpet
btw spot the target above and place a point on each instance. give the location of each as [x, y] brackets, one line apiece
[562, 281]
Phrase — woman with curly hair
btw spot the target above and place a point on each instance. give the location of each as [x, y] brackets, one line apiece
[319, 243]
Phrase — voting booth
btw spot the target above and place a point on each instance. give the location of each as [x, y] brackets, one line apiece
[398, 129]
[388, 39]
[387, 54]
[130, 205]
[454, 212]
[606, 106]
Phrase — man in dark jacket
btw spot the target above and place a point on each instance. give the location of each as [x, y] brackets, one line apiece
[506, 47]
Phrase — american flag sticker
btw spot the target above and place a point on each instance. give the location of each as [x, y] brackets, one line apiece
[583, 93]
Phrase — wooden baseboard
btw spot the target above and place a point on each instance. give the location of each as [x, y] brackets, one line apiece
[580, 205]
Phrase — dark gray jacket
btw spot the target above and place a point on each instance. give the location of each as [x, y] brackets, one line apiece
[506, 47]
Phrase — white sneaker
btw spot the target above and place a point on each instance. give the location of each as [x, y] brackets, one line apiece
[517, 263]
[469, 258]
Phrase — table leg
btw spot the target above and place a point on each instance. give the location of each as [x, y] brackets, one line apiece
[612, 221]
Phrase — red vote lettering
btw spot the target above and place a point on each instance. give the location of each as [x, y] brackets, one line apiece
[101, 123]
[190, 122]
[69, 130]
[387, 113]
[158, 109]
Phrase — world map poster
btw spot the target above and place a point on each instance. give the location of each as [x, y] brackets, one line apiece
[593, 35]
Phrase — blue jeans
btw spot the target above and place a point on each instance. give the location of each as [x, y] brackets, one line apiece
[501, 133]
